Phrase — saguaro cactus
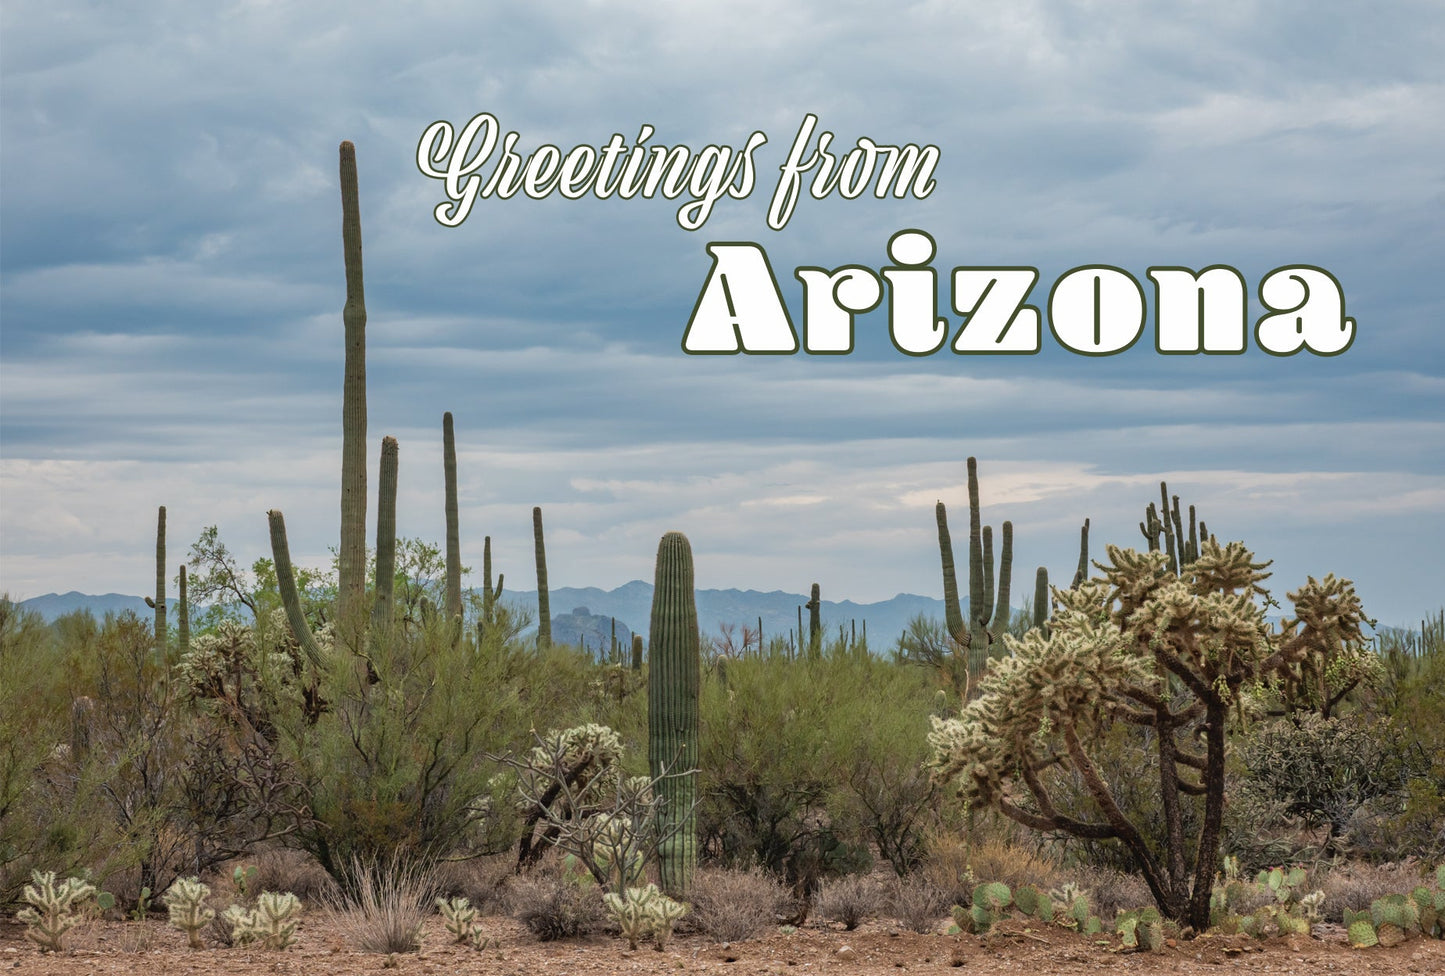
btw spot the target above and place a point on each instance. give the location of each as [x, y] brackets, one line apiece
[1041, 597]
[544, 609]
[490, 595]
[161, 584]
[815, 622]
[1082, 573]
[382, 607]
[637, 652]
[351, 571]
[1001, 611]
[286, 583]
[183, 616]
[454, 544]
[672, 691]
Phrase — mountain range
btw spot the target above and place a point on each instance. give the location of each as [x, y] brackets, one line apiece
[631, 605]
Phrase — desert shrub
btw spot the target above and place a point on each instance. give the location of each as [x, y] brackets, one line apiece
[484, 881]
[1356, 884]
[387, 904]
[399, 765]
[796, 752]
[1317, 773]
[1110, 891]
[918, 902]
[849, 900]
[553, 906]
[732, 905]
[37, 764]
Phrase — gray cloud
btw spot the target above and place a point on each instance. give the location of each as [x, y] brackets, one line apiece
[170, 281]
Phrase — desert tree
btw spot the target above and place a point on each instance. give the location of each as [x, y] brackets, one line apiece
[1173, 654]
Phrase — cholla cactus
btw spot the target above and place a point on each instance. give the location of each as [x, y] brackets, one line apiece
[641, 912]
[615, 851]
[460, 916]
[1145, 647]
[56, 903]
[272, 922]
[186, 899]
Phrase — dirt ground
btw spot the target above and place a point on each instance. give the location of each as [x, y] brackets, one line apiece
[153, 949]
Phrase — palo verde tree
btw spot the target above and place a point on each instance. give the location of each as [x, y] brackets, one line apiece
[1169, 653]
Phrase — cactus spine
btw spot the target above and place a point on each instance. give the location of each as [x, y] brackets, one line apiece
[161, 585]
[351, 571]
[286, 583]
[382, 607]
[672, 709]
[454, 544]
[544, 610]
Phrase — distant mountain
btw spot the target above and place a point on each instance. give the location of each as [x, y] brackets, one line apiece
[631, 605]
[54, 605]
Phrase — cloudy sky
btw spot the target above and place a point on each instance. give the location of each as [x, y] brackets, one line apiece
[171, 284]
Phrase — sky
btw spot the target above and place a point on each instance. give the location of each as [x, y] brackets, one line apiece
[171, 285]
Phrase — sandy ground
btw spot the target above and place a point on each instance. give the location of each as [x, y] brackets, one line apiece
[151, 948]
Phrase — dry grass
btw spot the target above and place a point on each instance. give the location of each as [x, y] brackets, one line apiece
[956, 864]
[1111, 891]
[293, 871]
[1356, 884]
[849, 900]
[386, 910]
[730, 906]
[485, 882]
[552, 906]
[919, 902]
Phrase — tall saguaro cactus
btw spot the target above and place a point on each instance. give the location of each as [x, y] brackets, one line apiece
[454, 544]
[183, 616]
[161, 584]
[351, 571]
[544, 608]
[286, 583]
[673, 680]
[382, 607]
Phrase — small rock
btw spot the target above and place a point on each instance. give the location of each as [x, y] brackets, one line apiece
[846, 953]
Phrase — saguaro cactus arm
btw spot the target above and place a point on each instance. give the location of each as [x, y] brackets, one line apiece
[286, 583]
